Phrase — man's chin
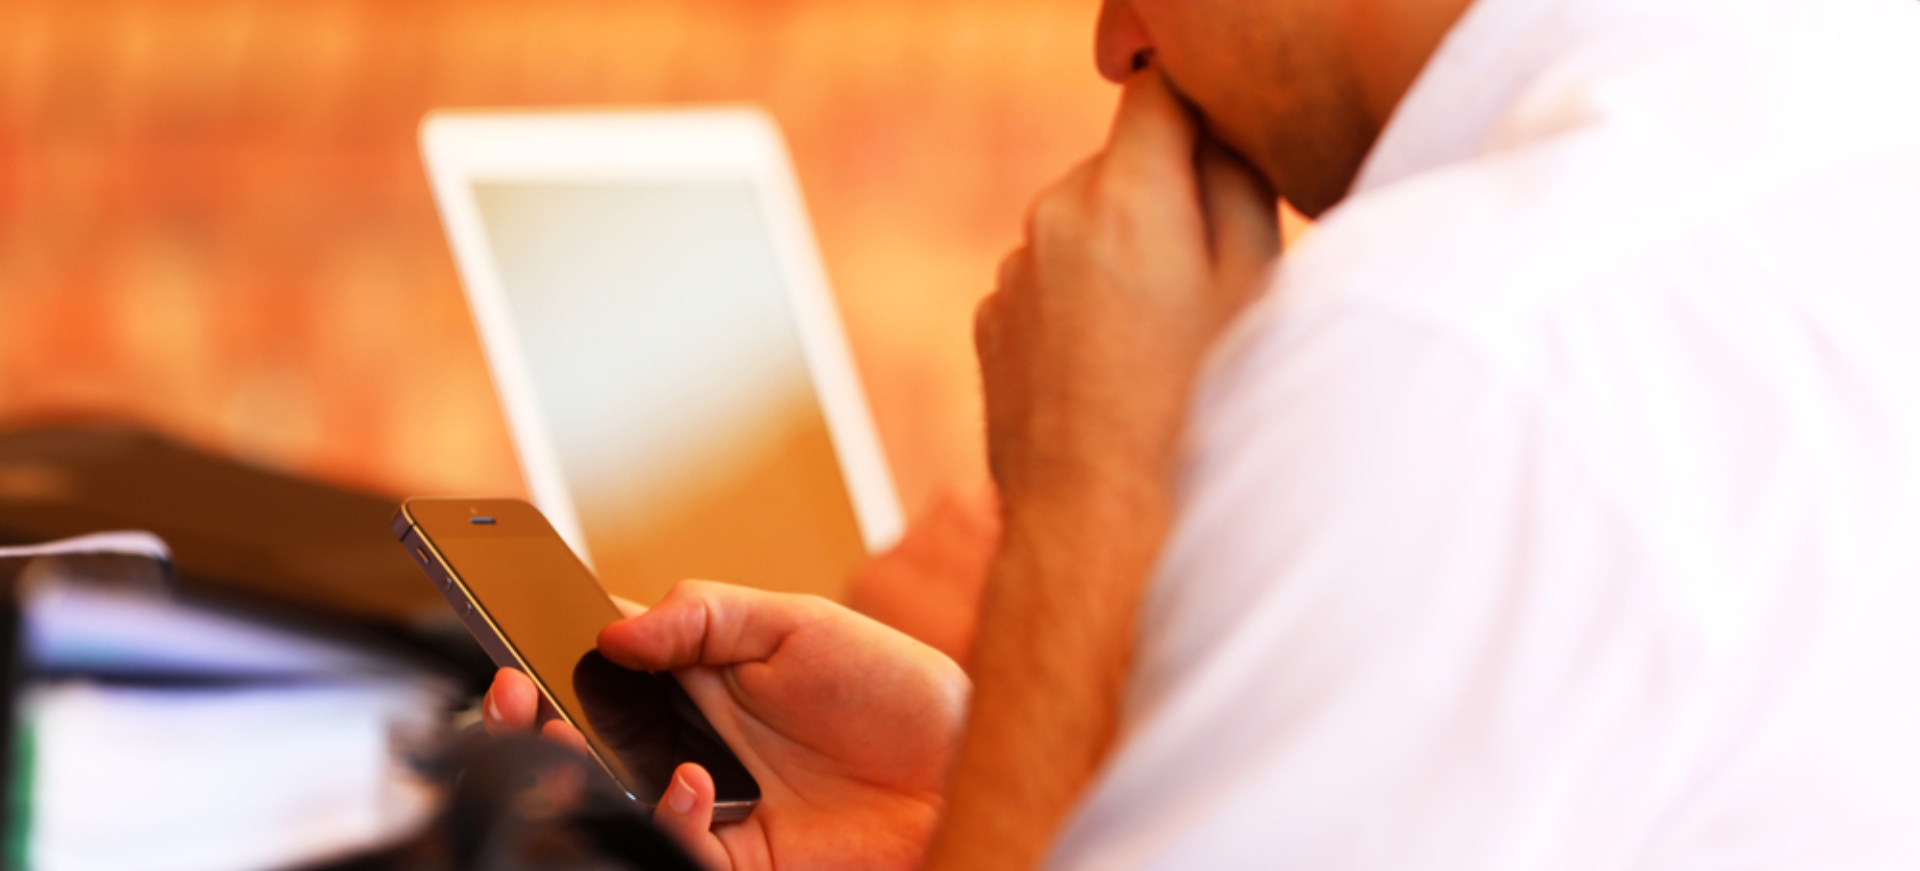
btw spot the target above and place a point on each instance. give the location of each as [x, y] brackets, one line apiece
[1213, 133]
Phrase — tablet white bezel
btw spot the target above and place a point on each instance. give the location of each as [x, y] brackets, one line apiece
[678, 145]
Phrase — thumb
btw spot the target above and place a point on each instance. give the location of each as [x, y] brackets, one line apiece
[685, 813]
[1152, 130]
[704, 623]
[1242, 214]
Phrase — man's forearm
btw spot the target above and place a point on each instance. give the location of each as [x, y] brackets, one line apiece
[1055, 640]
[1089, 346]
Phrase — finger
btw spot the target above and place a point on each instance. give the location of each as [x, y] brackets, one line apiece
[990, 314]
[511, 704]
[703, 623]
[1152, 130]
[1242, 212]
[1007, 277]
[685, 813]
[986, 327]
[972, 507]
[562, 732]
[956, 537]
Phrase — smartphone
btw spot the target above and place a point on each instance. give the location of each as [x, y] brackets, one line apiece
[534, 606]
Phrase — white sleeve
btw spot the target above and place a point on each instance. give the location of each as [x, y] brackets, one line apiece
[1393, 628]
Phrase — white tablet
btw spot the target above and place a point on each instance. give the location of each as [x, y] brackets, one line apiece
[664, 344]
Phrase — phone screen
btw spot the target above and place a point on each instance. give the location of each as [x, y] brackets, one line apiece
[550, 610]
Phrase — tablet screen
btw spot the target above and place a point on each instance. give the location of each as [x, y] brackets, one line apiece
[669, 373]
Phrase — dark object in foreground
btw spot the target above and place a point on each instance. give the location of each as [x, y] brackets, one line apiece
[526, 804]
[277, 546]
[244, 529]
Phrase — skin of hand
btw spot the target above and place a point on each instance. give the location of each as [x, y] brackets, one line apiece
[1089, 349]
[928, 585]
[849, 726]
[1133, 264]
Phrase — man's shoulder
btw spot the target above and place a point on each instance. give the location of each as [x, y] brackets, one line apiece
[1616, 166]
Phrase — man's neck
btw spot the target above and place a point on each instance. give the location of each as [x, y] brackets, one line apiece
[1392, 42]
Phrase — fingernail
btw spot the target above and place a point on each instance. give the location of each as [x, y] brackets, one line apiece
[493, 712]
[680, 795]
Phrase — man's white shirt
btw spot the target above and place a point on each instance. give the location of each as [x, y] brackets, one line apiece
[1559, 507]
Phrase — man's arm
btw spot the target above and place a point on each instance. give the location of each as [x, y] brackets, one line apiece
[1089, 349]
[1087, 382]
[1051, 659]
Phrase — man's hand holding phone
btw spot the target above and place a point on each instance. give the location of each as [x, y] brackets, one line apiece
[848, 725]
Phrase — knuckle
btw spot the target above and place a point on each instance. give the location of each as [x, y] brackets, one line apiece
[985, 322]
[1043, 216]
[688, 589]
[1118, 195]
[1008, 273]
[1057, 208]
[1101, 205]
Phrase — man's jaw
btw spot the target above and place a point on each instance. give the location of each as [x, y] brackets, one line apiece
[1208, 130]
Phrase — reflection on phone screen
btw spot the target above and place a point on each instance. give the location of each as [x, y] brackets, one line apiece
[647, 724]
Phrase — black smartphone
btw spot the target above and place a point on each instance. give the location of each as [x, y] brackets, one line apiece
[536, 607]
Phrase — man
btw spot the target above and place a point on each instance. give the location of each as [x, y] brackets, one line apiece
[1556, 504]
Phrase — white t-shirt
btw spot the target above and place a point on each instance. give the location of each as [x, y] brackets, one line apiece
[1559, 508]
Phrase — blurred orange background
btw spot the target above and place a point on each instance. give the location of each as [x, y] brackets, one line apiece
[213, 217]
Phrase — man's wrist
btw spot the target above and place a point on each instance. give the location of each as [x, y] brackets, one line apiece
[1055, 640]
[1087, 481]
